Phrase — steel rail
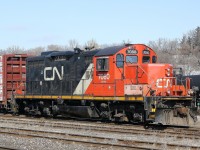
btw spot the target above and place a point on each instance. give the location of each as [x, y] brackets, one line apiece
[94, 140]
[109, 129]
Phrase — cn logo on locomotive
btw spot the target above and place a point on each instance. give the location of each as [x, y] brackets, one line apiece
[54, 71]
[160, 83]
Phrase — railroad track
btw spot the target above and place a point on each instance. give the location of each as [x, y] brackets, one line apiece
[108, 129]
[190, 133]
[123, 133]
[80, 139]
[103, 142]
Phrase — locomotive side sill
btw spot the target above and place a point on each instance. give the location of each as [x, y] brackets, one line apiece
[177, 98]
[81, 97]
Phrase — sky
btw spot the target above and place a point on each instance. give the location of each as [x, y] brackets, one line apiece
[33, 23]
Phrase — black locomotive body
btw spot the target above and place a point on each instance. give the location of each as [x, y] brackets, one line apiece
[56, 73]
[195, 84]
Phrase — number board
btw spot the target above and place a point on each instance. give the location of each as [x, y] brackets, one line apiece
[131, 51]
[146, 52]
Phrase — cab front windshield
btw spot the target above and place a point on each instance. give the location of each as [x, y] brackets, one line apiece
[131, 59]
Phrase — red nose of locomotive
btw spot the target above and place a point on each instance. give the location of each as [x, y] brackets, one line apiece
[162, 81]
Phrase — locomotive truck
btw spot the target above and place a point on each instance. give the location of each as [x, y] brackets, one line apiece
[119, 83]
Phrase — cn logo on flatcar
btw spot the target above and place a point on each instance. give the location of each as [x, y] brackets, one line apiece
[54, 71]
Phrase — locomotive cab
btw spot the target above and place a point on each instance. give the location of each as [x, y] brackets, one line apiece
[133, 72]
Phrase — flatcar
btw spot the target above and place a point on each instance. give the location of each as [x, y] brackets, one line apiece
[119, 83]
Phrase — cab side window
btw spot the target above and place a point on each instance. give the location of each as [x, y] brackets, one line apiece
[154, 59]
[120, 60]
[145, 59]
[102, 64]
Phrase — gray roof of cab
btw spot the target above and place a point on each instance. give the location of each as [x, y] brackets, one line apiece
[109, 51]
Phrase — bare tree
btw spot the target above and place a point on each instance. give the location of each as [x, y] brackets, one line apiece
[91, 45]
[167, 50]
[53, 47]
[36, 51]
[73, 44]
[190, 51]
[126, 42]
[14, 50]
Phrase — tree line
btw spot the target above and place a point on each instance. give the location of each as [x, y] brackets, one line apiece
[183, 52]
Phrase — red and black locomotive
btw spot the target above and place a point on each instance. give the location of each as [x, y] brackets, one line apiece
[120, 83]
